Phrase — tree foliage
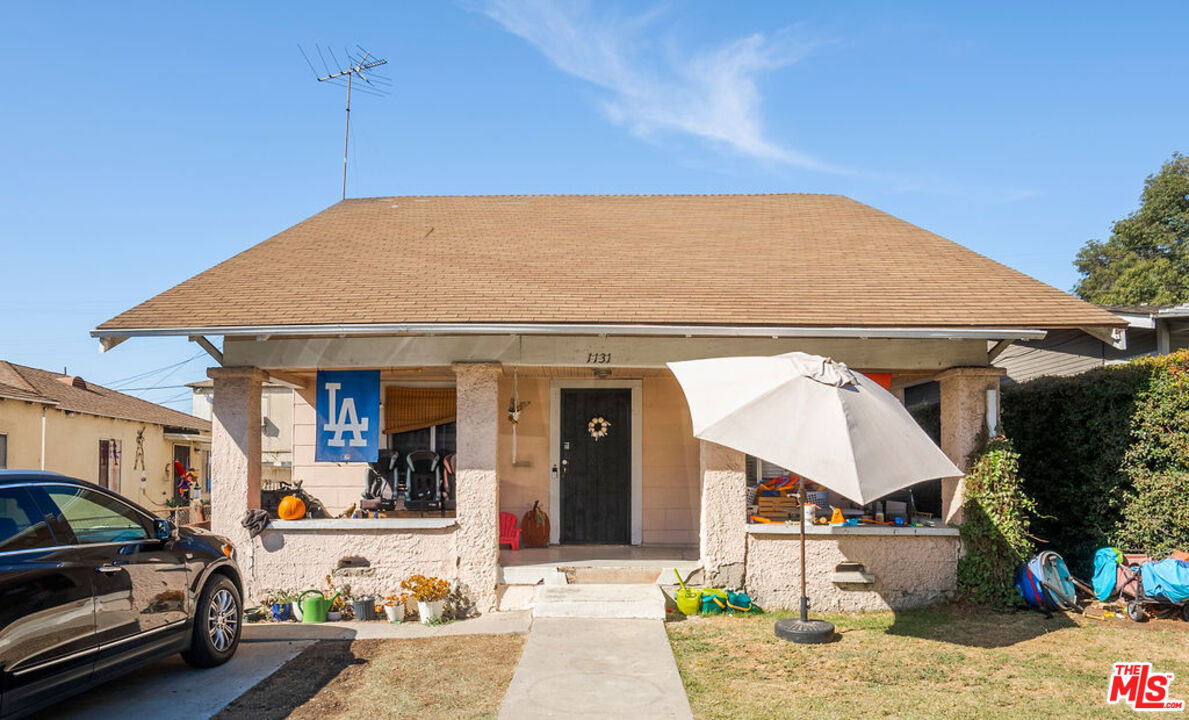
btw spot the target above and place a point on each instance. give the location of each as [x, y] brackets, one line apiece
[1146, 259]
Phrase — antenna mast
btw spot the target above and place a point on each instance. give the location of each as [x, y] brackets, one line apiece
[355, 66]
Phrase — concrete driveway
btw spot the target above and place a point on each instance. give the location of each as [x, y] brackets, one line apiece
[172, 689]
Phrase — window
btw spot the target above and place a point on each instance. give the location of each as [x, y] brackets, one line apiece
[22, 526]
[97, 518]
[3, 451]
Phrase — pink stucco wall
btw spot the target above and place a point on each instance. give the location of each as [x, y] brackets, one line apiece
[299, 560]
[911, 571]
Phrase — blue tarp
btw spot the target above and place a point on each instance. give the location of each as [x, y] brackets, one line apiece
[1106, 564]
[1166, 578]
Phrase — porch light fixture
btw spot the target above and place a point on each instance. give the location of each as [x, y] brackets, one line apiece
[601, 373]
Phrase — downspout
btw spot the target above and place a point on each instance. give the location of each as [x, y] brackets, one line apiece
[43, 437]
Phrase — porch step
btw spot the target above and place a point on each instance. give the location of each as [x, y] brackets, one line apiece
[599, 573]
[615, 601]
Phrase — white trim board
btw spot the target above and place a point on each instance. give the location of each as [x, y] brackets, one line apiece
[637, 388]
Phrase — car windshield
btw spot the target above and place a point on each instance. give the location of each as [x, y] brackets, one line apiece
[97, 518]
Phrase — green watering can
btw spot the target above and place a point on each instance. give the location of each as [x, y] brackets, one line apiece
[314, 606]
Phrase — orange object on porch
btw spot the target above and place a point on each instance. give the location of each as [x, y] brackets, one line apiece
[509, 533]
[884, 380]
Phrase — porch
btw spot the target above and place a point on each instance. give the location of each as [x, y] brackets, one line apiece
[683, 502]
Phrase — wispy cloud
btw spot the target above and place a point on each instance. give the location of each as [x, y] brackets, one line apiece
[709, 94]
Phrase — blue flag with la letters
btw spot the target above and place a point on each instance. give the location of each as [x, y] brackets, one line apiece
[348, 416]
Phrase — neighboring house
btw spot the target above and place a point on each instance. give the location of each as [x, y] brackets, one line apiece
[276, 425]
[465, 307]
[1151, 330]
[51, 421]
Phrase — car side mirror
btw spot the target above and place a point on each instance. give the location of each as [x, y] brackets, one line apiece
[165, 530]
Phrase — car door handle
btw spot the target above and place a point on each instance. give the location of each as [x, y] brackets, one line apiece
[108, 568]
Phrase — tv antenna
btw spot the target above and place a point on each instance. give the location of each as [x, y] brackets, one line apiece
[342, 75]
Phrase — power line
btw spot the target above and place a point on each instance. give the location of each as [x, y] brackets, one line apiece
[148, 373]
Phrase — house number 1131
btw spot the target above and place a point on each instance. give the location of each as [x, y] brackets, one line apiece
[598, 358]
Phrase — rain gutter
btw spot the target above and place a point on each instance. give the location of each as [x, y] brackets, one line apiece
[109, 338]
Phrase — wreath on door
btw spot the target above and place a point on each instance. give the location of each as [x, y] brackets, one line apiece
[598, 428]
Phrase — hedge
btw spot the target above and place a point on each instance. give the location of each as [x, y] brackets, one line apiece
[1105, 455]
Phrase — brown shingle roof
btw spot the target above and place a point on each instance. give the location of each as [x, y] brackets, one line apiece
[790, 260]
[74, 394]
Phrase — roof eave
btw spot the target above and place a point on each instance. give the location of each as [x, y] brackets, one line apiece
[109, 337]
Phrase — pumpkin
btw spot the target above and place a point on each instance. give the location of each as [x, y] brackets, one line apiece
[291, 508]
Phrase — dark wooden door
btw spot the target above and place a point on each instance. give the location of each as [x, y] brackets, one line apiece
[596, 465]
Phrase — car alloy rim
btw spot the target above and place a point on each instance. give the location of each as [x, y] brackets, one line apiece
[222, 620]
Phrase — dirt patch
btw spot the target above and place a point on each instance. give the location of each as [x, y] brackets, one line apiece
[427, 678]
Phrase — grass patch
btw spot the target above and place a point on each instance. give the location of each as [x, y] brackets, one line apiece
[438, 678]
[944, 663]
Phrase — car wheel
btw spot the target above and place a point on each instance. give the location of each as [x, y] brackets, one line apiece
[218, 622]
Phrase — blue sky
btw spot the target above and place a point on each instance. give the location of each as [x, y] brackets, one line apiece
[145, 142]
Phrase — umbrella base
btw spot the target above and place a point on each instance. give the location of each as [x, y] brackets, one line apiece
[808, 632]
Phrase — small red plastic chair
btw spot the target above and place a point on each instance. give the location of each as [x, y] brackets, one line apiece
[509, 533]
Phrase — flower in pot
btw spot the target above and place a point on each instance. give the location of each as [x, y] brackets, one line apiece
[394, 607]
[430, 593]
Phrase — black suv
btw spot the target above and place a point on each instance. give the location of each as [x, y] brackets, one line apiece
[92, 586]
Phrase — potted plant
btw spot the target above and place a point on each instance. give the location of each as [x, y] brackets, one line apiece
[394, 607]
[430, 593]
[279, 603]
[340, 607]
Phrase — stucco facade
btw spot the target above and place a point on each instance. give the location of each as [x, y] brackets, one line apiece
[907, 570]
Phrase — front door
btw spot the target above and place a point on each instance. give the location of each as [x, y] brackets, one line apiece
[596, 465]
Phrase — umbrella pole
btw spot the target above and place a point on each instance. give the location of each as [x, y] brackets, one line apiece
[804, 630]
[804, 599]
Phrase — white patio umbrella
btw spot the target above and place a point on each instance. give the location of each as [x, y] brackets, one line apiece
[820, 420]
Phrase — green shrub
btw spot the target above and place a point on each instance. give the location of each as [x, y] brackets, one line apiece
[995, 530]
[1104, 454]
[1155, 516]
[1072, 434]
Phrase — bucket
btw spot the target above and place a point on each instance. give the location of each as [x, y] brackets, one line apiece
[689, 602]
[365, 608]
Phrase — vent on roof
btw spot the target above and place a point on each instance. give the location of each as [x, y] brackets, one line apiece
[74, 380]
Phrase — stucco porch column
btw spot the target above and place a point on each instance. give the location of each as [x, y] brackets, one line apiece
[477, 495]
[723, 534]
[235, 453]
[963, 422]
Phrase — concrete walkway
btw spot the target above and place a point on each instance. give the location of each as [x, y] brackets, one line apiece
[578, 667]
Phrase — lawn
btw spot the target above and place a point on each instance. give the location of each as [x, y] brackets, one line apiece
[462, 676]
[947, 663]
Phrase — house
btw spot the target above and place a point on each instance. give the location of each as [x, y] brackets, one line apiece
[1151, 330]
[432, 321]
[276, 425]
[63, 423]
